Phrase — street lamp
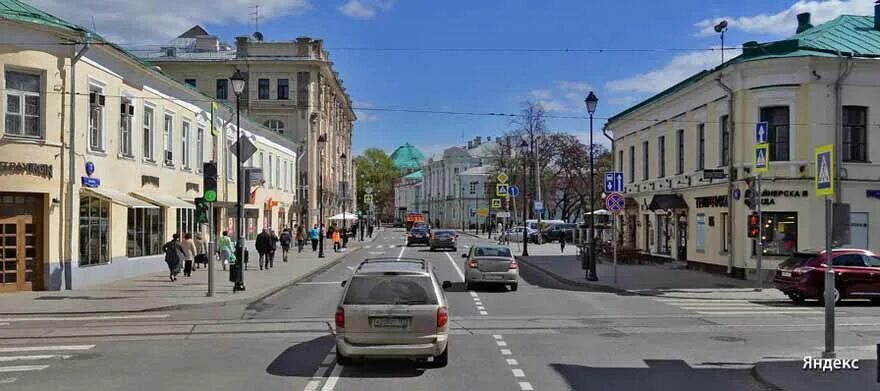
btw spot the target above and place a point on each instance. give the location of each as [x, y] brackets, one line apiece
[591, 102]
[344, 194]
[322, 139]
[238, 83]
[523, 145]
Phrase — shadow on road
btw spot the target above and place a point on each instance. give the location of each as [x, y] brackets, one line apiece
[538, 278]
[384, 369]
[302, 359]
[659, 375]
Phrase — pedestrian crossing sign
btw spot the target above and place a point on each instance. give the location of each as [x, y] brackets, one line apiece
[825, 170]
[762, 158]
[501, 190]
[496, 203]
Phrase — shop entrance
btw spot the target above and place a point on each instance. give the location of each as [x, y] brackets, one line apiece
[21, 260]
[682, 237]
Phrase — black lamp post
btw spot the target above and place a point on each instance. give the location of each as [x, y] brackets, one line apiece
[344, 194]
[591, 102]
[322, 139]
[238, 84]
[523, 144]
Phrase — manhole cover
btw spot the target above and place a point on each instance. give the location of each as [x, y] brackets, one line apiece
[722, 338]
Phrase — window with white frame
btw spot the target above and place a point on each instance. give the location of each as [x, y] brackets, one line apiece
[184, 145]
[277, 176]
[149, 120]
[284, 175]
[701, 232]
[701, 146]
[200, 148]
[168, 146]
[230, 161]
[275, 125]
[126, 123]
[23, 104]
[269, 172]
[96, 118]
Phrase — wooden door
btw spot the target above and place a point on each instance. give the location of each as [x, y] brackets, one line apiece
[19, 260]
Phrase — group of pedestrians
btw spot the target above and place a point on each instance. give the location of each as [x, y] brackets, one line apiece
[187, 254]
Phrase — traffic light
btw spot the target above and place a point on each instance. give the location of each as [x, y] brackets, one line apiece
[754, 226]
[751, 195]
[202, 210]
[209, 181]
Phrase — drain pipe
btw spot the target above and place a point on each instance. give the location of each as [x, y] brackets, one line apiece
[843, 72]
[67, 264]
[730, 172]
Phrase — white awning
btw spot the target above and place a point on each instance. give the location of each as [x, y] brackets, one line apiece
[120, 198]
[599, 212]
[163, 200]
[345, 216]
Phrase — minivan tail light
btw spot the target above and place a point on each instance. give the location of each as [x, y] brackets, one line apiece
[513, 265]
[442, 317]
[340, 317]
[473, 264]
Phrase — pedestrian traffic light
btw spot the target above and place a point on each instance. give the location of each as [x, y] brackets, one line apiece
[202, 208]
[209, 181]
[754, 226]
[750, 198]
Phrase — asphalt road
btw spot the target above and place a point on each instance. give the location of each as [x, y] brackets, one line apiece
[545, 336]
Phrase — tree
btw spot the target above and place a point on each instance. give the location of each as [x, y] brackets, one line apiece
[375, 169]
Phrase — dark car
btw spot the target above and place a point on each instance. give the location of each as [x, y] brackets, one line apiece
[557, 231]
[443, 238]
[857, 275]
[418, 235]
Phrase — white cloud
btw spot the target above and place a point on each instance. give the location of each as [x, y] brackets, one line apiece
[365, 9]
[156, 21]
[785, 22]
[563, 96]
[679, 68]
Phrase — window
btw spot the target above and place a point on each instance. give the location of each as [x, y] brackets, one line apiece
[263, 89]
[303, 79]
[661, 156]
[645, 163]
[620, 160]
[390, 290]
[277, 176]
[871, 260]
[679, 151]
[96, 119]
[780, 233]
[283, 89]
[126, 123]
[184, 145]
[701, 147]
[269, 172]
[777, 124]
[664, 234]
[148, 133]
[284, 175]
[724, 154]
[94, 230]
[632, 163]
[725, 244]
[853, 260]
[473, 188]
[146, 231]
[855, 141]
[222, 89]
[701, 232]
[23, 104]
[275, 125]
[190, 82]
[168, 147]
[200, 148]
[186, 221]
[230, 161]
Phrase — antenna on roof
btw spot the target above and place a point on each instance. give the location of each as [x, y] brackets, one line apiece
[257, 17]
[94, 27]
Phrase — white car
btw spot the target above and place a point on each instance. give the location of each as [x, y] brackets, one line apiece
[515, 234]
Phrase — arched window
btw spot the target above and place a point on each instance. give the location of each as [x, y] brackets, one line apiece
[277, 126]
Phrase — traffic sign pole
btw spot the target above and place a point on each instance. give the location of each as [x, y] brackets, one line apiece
[825, 187]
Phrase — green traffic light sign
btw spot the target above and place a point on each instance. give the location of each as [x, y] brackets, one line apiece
[211, 196]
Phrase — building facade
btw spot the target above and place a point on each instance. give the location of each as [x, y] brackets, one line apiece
[292, 89]
[452, 186]
[408, 159]
[92, 186]
[811, 90]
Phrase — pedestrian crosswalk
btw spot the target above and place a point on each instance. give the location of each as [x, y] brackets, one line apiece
[735, 307]
[19, 359]
[383, 246]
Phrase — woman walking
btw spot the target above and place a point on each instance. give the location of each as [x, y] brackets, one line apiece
[173, 256]
[337, 240]
[225, 249]
[300, 239]
[201, 250]
[189, 254]
[285, 240]
[314, 235]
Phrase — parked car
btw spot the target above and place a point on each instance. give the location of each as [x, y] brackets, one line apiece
[857, 275]
[557, 231]
[515, 234]
[393, 308]
[491, 264]
[443, 238]
[418, 235]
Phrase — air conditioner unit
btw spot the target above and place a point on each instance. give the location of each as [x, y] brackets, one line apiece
[96, 99]
[127, 109]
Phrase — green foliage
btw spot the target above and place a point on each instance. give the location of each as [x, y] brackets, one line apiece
[376, 169]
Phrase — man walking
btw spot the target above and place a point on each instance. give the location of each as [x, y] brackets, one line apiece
[314, 235]
[285, 243]
[263, 243]
[273, 246]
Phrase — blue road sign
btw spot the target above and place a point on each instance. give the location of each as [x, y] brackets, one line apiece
[613, 182]
[539, 206]
[761, 132]
[513, 191]
[473, 211]
[614, 202]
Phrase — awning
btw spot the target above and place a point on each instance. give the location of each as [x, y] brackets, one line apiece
[190, 197]
[598, 212]
[345, 216]
[164, 200]
[667, 201]
[119, 197]
[630, 203]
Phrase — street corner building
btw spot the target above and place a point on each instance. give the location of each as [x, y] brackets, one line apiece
[818, 87]
[101, 158]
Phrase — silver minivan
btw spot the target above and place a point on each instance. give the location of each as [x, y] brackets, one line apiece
[393, 308]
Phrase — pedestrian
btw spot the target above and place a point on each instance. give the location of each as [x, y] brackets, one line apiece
[263, 242]
[337, 240]
[225, 249]
[173, 256]
[201, 250]
[273, 246]
[189, 254]
[354, 231]
[370, 231]
[562, 243]
[314, 235]
[285, 243]
[300, 239]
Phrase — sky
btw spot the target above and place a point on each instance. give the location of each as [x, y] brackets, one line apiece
[476, 81]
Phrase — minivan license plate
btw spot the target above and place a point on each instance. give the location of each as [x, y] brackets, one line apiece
[394, 323]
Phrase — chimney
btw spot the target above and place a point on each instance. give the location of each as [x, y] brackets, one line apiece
[489, 138]
[241, 46]
[877, 15]
[479, 141]
[470, 144]
[803, 22]
[208, 43]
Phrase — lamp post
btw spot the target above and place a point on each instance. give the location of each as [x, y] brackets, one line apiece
[238, 84]
[344, 194]
[591, 102]
[523, 144]
[322, 139]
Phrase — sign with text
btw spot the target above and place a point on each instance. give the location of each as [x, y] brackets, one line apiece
[715, 173]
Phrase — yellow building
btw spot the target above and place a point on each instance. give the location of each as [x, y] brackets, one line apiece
[96, 204]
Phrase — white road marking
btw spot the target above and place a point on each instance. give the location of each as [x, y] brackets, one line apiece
[35, 357]
[23, 368]
[484, 313]
[518, 372]
[45, 348]
[351, 267]
[506, 352]
[512, 361]
[312, 385]
[320, 373]
[473, 294]
[457, 269]
[332, 379]
[501, 343]
[368, 246]
[74, 318]
[329, 359]
[320, 283]
[4, 323]
[525, 386]
[379, 246]
[719, 313]
[496, 336]
[481, 308]
[402, 249]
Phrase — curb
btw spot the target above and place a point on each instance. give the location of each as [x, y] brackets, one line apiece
[756, 374]
[567, 281]
[470, 234]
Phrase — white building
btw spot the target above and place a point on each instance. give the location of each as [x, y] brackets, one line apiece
[455, 181]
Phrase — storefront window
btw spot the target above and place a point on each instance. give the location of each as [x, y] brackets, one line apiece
[701, 232]
[724, 242]
[146, 230]
[780, 233]
[186, 221]
[664, 234]
[94, 231]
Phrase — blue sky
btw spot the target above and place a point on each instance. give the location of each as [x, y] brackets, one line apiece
[479, 81]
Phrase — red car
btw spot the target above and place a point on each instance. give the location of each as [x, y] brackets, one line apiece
[857, 274]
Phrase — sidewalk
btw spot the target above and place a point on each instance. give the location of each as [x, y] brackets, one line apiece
[153, 292]
[790, 375]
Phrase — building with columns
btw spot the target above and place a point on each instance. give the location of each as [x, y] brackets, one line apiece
[455, 181]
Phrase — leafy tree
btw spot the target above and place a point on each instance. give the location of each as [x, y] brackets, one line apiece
[375, 169]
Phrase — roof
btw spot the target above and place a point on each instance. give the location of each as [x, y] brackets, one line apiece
[195, 31]
[407, 156]
[19, 11]
[415, 175]
[848, 35]
[479, 170]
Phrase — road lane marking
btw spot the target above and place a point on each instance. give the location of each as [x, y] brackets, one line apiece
[501, 343]
[23, 368]
[473, 294]
[512, 361]
[402, 249]
[525, 386]
[74, 318]
[518, 372]
[368, 246]
[320, 283]
[45, 348]
[35, 357]
[506, 352]
[332, 379]
[328, 360]
[457, 269]
[496, 336]
[379, 246]
[484, 313]
[481, 308]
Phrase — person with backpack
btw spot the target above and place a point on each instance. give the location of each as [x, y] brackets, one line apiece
[173, 256]
[300, 238]
[285, 240]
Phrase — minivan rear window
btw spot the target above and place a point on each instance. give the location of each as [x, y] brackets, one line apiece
[391, 289]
